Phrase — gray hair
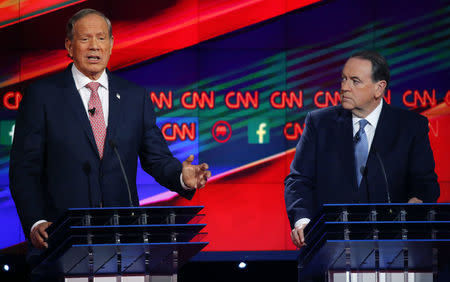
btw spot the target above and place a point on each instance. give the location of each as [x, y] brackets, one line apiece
[81, 14]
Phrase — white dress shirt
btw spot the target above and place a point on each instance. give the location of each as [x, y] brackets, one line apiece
[372, 119]
[103, 91]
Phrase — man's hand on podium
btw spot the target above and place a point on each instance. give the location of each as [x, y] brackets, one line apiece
[415, 200]
[297, 235]
[39, 236]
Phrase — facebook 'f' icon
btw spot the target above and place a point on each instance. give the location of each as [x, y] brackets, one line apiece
[261, 132]
[258, 132]
[7, 132]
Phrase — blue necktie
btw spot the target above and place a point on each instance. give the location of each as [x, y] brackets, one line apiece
[361, 150]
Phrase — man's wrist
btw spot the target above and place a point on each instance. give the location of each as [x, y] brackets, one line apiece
[36, 224]
[302, 221]
[185, 187]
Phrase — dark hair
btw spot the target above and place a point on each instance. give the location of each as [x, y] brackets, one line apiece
[81, 14]
[380, 67]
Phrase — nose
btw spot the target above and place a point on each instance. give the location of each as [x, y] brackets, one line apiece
[94, 44]
[344, 85]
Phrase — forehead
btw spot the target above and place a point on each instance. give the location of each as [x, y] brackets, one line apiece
[357, 67]
[91, 23]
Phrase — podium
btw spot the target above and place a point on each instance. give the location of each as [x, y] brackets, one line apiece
[111, 244]
[377, 242]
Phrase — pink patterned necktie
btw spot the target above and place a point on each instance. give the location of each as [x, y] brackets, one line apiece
[96, 117]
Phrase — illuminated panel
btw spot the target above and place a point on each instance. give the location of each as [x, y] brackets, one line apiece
[242, 202]
[182, 26]
[38, 64]
[226, 81]
[12, 12]
[439, 118]
[226, 16]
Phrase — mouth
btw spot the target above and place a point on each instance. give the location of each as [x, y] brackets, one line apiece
[93, 59]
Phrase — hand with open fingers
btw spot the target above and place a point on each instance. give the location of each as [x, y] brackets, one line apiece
[297, 235]
[39, 235]
[195, 176]
[415, 200]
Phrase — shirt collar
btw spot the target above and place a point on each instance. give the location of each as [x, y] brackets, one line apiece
[81, 80]
[372, 118]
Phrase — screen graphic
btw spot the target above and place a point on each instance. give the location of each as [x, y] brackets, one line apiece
[231, 83]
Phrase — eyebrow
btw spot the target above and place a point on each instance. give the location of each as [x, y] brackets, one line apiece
[355, 77]
[89, 34]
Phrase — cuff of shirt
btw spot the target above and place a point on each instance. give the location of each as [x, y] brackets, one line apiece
[304, 221]
[36, 224]
[185, 187]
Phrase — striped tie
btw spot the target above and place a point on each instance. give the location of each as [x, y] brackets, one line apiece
[361, 150]
[96, 117]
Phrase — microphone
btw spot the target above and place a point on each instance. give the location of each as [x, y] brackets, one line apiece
[364, 172]
[87, 171]
[92, 111]
[356, 138]
[114, 146]
[388, 194]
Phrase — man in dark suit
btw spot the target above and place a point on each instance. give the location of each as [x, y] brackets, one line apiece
[71, 129]
[357, 151]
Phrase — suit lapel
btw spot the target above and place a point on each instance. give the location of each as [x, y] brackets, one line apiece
[347, 156]
[76, 104]
[383, 137]
[114, 110]
[383, 130]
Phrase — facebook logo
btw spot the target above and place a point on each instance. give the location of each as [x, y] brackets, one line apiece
[6, 132]
[258, 131]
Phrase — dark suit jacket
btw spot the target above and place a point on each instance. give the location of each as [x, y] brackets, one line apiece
[323, 169]
[55, 163]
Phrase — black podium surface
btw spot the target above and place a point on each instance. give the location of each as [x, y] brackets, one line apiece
[122, 240]
[378, 237]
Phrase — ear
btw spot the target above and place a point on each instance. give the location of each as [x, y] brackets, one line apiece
[68, 45]
[380, 86]
[112, 43]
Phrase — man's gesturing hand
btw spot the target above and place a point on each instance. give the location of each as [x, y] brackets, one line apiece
[195, 176]
[38, 235]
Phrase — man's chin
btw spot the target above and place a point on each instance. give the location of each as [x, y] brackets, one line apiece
[347, 106]
[95, 72]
